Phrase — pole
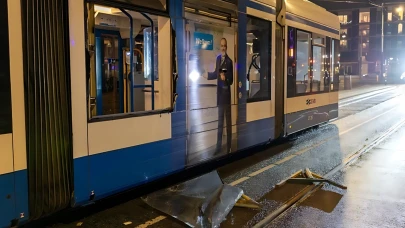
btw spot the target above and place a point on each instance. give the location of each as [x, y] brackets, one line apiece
[361, 55]
[382, 40]
[152, 59]
[131, 57]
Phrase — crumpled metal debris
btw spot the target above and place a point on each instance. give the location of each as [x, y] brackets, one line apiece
[201, 202]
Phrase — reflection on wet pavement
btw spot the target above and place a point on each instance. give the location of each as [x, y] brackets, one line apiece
[374, 198]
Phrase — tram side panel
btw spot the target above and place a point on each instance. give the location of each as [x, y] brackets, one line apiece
[311, 97]
[13, 164]
[251, 111]
[334, 85]
[307, 102]
[126, 137]
[260, 81]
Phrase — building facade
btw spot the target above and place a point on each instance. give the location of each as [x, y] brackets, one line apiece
[361, 37]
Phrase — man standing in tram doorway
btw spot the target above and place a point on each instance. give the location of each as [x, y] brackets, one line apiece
[224, 75]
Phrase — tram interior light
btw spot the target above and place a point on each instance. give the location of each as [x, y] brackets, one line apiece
[194, 75]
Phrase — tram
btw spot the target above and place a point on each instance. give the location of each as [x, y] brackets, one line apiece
[101, 96]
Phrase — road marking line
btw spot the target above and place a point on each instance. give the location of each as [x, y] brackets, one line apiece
[285, 159]
[375, 117]
[261, 170]
[238, 181]
[151, 222]
[363, 98]
[160, 218]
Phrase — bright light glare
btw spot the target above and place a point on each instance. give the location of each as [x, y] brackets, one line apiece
[102, 9]
[194, 75]
[399, 9]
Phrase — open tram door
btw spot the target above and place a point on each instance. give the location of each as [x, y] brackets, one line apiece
[211, 50]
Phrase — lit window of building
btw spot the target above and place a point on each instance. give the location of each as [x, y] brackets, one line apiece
[343, 43]
[364, 17]
[399, 28]
[343, 19]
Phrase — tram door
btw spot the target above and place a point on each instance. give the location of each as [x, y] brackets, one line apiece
[109, 73]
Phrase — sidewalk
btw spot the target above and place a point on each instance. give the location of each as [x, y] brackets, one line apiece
[362, 89]
[375, 196]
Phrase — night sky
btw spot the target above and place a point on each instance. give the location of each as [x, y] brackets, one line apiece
[350, 4]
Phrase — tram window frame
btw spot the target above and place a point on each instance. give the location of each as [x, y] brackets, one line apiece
[5, 75]
[309, 60]
[323, 45]
[292, 62]
[89, 49]
[334, 66]
[263, 96]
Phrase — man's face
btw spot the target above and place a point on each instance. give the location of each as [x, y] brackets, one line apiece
[223, 47]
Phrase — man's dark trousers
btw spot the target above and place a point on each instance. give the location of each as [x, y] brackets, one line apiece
[224, 112]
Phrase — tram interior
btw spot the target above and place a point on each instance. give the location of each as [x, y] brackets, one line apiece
[110, 81]
[310, 51]
[258, 58]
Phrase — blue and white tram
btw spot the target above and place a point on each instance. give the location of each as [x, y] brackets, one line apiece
[99, 96]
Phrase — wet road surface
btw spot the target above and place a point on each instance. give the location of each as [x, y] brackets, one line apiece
[374, 198]
[319, 149]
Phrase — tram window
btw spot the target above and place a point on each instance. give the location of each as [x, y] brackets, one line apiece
[303, 62]
[258, 59]
[291, 64]
[319, 78]
[308, 63]
[335, 65]
[5, 88]
[113, 87]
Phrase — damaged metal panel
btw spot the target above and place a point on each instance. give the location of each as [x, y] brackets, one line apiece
[201, 202]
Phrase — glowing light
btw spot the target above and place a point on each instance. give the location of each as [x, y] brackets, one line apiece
[291, 52]
[102, 9]
[194, 75]
[400, 9]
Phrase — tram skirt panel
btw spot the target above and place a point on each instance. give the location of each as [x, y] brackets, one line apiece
[48, 105]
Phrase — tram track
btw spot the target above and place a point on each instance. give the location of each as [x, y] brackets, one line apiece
[308, 191]
[365, 96]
